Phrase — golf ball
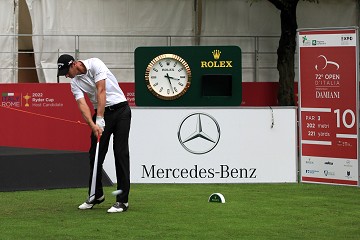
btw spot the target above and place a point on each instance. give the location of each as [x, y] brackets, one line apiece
[117, 192]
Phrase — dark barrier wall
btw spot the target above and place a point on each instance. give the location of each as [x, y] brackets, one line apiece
[35, 169]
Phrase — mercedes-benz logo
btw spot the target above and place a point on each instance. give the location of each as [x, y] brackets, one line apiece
[199, 133]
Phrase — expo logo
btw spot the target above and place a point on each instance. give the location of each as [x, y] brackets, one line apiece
[346, 38]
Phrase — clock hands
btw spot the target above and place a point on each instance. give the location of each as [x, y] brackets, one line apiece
[173, 77]
[168, 77]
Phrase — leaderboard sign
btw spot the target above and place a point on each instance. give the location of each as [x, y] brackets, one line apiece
[328, 105]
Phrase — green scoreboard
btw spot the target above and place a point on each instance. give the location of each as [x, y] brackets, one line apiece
[188, 76]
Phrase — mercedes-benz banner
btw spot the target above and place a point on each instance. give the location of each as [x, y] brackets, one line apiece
[211, 145]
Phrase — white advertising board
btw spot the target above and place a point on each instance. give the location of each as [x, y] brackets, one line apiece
[210, 145]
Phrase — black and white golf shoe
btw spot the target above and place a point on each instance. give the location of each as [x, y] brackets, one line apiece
[90, 205]
[118, 207]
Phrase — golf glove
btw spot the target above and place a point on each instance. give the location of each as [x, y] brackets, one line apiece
[100, 122]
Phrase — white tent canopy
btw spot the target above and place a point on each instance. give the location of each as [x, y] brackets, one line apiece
[8, 45]
[112, 29]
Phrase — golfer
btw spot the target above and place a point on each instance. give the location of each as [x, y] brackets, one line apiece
[112, 116]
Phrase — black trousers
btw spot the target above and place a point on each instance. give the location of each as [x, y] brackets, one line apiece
[117, 123]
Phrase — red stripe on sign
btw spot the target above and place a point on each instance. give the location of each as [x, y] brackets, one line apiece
[328, 180]
[327, 32]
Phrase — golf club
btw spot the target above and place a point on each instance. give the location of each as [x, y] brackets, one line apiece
[117, 192]
[93, 180]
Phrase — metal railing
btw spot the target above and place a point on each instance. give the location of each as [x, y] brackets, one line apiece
[258, 52]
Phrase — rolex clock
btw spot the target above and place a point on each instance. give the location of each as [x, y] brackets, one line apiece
[168, 76]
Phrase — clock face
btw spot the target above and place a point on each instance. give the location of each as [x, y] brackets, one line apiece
[168, 76]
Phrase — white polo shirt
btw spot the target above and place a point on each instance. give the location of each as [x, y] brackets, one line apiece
[86, 83]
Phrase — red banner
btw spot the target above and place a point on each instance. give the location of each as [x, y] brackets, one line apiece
[328, 103]
[330, 93]
[46, 116]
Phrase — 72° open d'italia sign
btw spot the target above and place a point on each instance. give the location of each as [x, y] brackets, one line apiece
[328, 100]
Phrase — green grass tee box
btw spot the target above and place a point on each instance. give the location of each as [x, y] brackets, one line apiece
[182, 211]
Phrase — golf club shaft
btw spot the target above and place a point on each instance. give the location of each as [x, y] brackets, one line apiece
[94, 174]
